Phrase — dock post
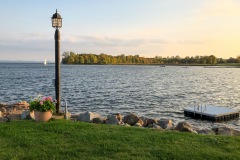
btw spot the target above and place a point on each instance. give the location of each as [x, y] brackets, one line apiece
[194, 110]
[201, 111]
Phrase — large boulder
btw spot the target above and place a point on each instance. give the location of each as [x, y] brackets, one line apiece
[113, 119]
[138, 125]
[25, 114]
[3, 107]
[20, 105]
[118, 116]
[165, 123]
[88, 116]
[14, 114]
[184, 127]
[0, 114]
[2, 119]
[155, 126]
[206, 131]
[140, 121]
[144, 119]
[149, 122]
[98, 120]
[14, 117]
[227, 131]
[131, 119]
[74, 116]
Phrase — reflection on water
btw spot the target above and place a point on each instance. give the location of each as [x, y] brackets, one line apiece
[150, 91]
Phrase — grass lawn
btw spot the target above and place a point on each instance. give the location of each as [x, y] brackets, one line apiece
[62, 139]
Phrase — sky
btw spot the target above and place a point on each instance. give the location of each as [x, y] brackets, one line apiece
[147, 28]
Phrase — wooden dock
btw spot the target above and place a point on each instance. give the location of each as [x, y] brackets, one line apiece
[212, 113]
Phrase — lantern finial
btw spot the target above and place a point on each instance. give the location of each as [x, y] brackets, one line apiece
[56, 20]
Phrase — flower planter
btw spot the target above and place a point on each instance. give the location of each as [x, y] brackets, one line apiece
[42, 116]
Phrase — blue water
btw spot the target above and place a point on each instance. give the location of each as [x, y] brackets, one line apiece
[152, 91]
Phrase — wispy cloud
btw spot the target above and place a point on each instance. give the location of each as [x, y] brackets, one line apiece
[111, 41]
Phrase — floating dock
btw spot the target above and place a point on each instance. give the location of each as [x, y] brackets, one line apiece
[212, 113]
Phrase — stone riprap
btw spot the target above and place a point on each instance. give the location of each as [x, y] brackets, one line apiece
[14, 111]
[20, 111]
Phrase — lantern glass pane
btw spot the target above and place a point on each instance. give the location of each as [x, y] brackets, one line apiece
[57, 22]
[54, 22]
[60, 22]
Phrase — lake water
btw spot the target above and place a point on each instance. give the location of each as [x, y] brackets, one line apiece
[151, 91]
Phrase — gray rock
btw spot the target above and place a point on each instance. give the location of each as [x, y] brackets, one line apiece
[140, 121]
[144, 119]
[184, 127]
[131, 119]
[155, 126]
[25, 114]
[113, 119]
[137, 125]
[2, 119]
[149, 121]
[236, 132]
[118, 116]
[150, 126]
[125, 124]
[98, 120]
[206, 131]
[3, 110]
[228, 131]
[88, 116]
[74, 117]
[165, 123]
[14, 117]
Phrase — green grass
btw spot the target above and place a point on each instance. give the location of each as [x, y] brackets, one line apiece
[75, 140]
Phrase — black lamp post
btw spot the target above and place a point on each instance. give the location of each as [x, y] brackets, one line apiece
[57, 23]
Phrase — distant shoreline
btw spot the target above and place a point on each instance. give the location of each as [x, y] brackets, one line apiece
[227, 65]
[26, 62]
[166, 65]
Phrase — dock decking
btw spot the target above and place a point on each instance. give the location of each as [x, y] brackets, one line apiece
[212, 113]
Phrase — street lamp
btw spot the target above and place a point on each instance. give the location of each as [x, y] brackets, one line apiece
[57, 23]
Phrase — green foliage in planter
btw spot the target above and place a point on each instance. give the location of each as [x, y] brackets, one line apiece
[42, 104]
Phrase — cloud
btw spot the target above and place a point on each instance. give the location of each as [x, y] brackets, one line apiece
[37, 46]
[26, 46]
[112, 42]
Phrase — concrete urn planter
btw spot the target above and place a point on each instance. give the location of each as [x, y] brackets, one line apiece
[42, 116]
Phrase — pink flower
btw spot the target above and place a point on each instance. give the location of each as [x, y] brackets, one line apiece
[41, 103]
[49, 98]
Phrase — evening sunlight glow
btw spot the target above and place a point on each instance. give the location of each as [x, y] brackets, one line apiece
[138, 27]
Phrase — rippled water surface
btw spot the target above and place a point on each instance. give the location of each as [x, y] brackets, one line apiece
[150, 91]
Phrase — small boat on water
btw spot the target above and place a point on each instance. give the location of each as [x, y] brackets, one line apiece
[45, 62]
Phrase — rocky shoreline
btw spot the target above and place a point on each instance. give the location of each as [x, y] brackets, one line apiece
[20, 111]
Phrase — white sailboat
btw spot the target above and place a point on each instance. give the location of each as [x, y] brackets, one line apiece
[45, 62]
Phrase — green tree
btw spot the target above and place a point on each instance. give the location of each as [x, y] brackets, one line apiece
[81, 59]
[103, 59]
[238, 59]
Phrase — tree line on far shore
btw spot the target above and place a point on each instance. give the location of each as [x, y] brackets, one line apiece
[84, 58]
